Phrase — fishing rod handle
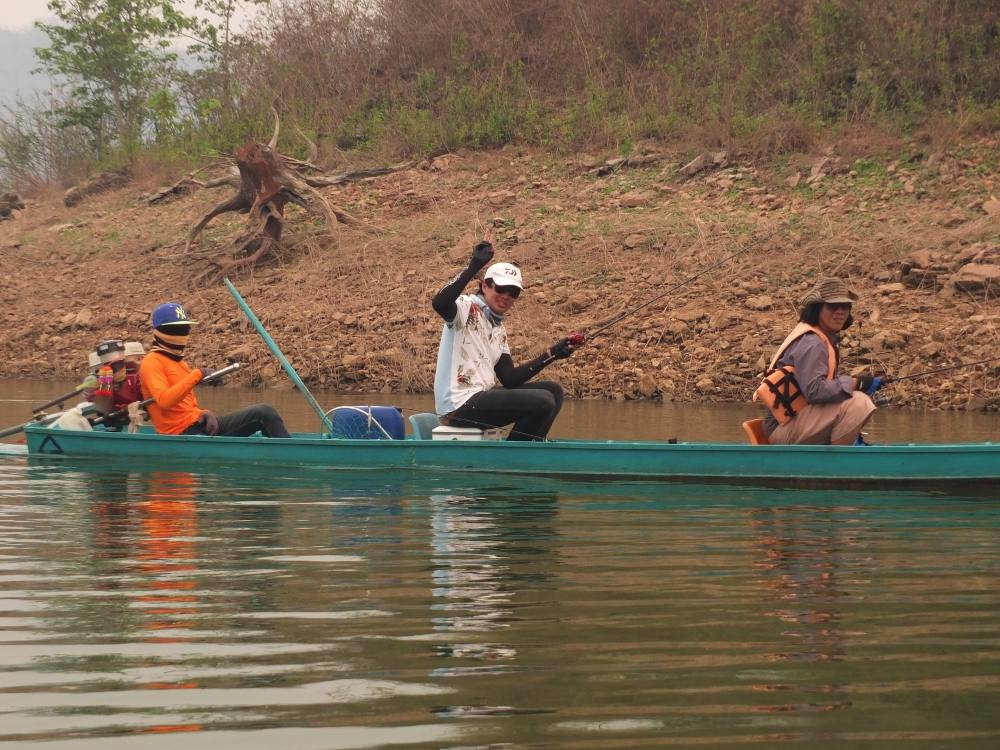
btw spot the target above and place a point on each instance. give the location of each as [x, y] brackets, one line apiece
[221, 372]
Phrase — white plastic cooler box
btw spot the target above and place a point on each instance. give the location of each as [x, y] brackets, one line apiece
[447, 432]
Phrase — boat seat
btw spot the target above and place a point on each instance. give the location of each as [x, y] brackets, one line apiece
[423, 424]
[754, 428]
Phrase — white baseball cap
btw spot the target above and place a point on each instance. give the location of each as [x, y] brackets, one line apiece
[504, 274]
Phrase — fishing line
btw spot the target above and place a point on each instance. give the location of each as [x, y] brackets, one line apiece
[604, 326]
[894, 379]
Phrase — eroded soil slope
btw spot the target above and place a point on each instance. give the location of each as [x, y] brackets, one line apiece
[918, 234]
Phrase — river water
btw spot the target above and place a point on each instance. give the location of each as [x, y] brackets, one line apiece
[312, 610]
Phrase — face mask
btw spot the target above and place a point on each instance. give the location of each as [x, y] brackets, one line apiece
[487, 311]
[172, 343]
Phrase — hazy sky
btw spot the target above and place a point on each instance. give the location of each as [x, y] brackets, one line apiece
[21, 14]
[18, 38]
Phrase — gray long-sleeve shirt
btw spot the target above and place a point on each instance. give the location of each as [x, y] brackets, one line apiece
[809, 358]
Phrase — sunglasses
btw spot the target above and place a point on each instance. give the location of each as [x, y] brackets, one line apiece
[511, 291]
[838, 305]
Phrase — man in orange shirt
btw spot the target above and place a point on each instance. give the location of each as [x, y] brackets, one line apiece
[170, 381]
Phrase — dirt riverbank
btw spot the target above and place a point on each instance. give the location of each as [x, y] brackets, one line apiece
[916, 230]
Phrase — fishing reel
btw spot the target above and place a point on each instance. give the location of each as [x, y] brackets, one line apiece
[576, 339]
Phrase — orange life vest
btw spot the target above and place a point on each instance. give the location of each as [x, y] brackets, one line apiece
[779, 391]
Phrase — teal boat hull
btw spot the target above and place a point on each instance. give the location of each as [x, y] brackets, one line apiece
[772, 465]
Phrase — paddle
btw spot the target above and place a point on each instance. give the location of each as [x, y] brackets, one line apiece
[118, 413]
[285, 364]
[89, 382]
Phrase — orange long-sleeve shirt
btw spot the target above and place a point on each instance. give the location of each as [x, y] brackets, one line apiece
[171, 384]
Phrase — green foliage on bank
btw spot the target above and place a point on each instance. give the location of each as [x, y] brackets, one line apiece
[411, 77]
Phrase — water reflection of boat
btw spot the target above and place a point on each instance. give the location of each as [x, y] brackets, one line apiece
[794, 465]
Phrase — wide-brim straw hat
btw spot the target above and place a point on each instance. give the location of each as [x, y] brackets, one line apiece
[829, 289]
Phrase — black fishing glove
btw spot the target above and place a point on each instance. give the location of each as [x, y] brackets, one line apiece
[482, 254]
[868, 384]
[562, 349]
[207, 372]
[211, 423]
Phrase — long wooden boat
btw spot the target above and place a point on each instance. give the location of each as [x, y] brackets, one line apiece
[798, 465]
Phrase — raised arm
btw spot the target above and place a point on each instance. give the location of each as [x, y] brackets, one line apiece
[444, 301]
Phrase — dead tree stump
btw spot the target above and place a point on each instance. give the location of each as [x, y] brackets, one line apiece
[266, 186]
[266, 181]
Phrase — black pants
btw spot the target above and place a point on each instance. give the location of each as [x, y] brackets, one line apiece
[532, 408]
[245, 422]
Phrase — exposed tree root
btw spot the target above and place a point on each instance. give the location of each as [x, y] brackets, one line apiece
[266, 181]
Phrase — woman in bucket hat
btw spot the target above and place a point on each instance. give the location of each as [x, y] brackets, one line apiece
[170, 381]
[808, 400]
[473, 356]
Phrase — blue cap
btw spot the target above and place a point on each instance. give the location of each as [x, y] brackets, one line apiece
[171, 314]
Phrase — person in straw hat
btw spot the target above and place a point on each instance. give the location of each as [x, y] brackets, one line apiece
[808, 399]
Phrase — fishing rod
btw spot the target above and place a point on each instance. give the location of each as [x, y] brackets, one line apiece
[41, 419]
[119, 413]
[894, 379]
[89, 382]
[38, 419]
[579, 338]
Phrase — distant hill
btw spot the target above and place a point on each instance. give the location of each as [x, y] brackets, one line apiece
[17, 60]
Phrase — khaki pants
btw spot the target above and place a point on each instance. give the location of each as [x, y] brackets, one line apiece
[826, 424]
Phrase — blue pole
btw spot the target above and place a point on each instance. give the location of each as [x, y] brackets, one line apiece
[285, 364]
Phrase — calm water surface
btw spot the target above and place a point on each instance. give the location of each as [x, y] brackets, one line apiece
[312, 610]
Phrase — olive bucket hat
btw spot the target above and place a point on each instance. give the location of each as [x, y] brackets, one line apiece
[829, 289]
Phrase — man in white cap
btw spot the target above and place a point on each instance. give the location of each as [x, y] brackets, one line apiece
[473, 356]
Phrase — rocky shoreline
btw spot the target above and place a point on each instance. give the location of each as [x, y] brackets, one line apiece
[916, 231]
